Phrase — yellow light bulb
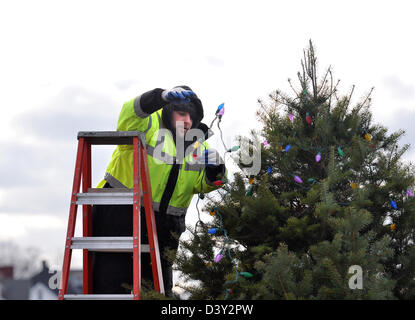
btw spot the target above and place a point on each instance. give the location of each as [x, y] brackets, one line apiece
[368, 137]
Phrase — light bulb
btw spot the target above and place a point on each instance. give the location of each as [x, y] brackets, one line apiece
[218, 257]
[368, 137]
[298, 179]
[220, 107]
[212, 230]
[318, 157]
[308, 118]
[234, 148]
[246, 274]
[250, 191]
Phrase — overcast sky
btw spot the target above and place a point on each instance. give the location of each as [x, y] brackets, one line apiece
[68, 66]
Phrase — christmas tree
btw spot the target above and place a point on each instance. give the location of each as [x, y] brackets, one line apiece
[330, 215]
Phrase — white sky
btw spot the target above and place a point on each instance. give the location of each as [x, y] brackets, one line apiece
[67, 66]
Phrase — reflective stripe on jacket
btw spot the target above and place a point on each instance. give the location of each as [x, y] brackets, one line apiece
[161, 156]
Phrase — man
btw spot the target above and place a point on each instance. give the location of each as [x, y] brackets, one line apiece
[180, 163]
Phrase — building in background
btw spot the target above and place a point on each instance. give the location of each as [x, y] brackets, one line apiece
[38, 287]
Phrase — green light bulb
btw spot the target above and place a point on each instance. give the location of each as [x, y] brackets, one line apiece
[246, 274]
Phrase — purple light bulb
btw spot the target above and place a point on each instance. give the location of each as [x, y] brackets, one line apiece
[318, 157]
[298, 179]
[218, 257]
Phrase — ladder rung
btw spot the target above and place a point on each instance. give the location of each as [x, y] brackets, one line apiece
[106, 244]
[105, 198]
[98, 297]
[110, 190]
[112, 137]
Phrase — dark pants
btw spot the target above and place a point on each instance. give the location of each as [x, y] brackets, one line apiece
[113, 272]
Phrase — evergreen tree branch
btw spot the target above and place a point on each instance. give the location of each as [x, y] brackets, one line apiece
[324, 81]
[296, 93]
[350, 97]
[368, 96]
[282, 286]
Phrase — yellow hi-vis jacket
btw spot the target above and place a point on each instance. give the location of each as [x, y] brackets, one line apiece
[191, 176]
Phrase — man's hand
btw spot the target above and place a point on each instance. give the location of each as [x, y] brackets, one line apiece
[177, 95]
[210, 158]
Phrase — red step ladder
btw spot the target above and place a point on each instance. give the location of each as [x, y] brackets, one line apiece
[91, 196]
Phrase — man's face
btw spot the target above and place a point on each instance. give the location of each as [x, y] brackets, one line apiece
[181, 122]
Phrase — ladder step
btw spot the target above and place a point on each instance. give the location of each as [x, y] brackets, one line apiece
[98, 297]
[110, 190]
[106, 244]
[105, 198]
[112, 137]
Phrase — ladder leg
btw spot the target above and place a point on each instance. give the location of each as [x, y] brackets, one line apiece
[87, 219]
[136, 222]
[151, 223]
[72, 219]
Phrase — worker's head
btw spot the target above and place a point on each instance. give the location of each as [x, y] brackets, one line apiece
[183, 116]
[181, 122]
